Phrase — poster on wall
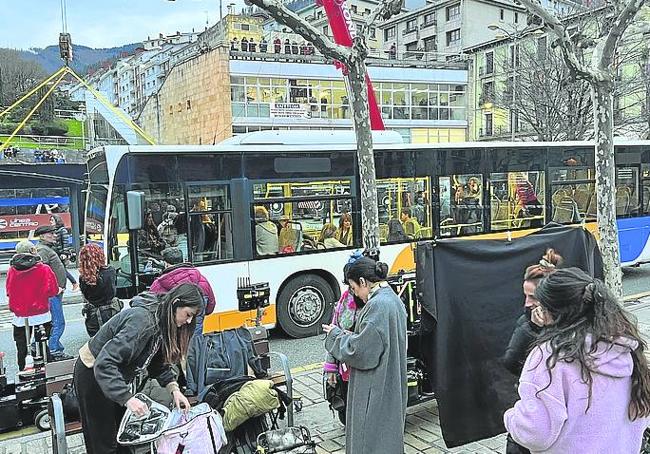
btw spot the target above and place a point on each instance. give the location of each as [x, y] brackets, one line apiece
[289, 110]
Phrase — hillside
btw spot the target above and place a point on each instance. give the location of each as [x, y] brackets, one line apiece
[83, 56]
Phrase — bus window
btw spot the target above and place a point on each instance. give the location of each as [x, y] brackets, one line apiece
[165, 225]
[461, 205]
[210, 221]
[573, 196]
[645, 181]
[292, 217]
[404, 209]
[516, 200]
[627, 191]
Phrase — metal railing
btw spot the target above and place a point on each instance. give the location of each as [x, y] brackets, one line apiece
[375, 57]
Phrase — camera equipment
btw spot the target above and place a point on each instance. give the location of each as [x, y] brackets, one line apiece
[252, 296]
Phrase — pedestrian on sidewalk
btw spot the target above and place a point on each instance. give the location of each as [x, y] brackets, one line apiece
[47, 237]
[376, 355]
[62, 247]
[178, 272]
[344, 316]
[153, 333]
[585, 387]
[98, 283]
[528, 328]
[30, 284]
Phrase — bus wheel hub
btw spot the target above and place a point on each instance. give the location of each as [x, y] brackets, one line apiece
[306, 306]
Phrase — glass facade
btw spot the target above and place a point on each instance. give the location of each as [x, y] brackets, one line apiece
[327, 99]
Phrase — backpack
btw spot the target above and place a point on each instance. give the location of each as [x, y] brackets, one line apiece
[218, 356]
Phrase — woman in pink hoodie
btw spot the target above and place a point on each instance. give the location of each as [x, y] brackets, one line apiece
[585, 387]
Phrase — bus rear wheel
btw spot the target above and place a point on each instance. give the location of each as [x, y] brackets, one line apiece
[304, 304]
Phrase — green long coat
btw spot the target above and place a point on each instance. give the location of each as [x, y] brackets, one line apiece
[377, 393]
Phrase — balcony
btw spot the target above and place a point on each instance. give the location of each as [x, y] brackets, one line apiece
[410, 30]
[431, 23]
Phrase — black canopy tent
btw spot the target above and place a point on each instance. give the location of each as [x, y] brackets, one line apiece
[471, 296]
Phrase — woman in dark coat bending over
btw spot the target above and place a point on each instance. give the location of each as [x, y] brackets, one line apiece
[154, 334]
[376, 355]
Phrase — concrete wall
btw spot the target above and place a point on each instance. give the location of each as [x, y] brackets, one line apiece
[193, 104]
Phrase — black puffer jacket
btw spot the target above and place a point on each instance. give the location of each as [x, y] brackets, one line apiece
[521, 341]
[126, 344]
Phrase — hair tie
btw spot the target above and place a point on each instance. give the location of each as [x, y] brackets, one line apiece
[546, 264]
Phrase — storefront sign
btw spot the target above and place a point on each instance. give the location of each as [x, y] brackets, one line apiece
[289, 110]
[23, 222]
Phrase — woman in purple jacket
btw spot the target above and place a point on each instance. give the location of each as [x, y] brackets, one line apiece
[585, 387]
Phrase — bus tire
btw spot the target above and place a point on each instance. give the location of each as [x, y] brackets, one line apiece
[305, 303]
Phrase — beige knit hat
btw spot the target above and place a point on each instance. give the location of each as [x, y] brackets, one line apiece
[24, 247]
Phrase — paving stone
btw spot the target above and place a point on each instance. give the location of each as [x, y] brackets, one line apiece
[410, 440]
[330, 445]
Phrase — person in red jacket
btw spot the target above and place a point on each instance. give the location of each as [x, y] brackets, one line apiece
[30, 284]
[177, 272]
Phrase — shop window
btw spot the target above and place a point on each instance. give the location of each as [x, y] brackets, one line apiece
[517, 200]
[461, 205]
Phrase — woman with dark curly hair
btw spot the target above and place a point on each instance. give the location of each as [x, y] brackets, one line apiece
[585, 387]
[97, 282]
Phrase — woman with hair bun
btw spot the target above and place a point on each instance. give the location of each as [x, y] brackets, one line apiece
[376, 356]
[527, 329]
[585, 387]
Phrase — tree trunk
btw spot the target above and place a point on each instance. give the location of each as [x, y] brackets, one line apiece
[365, 155]
[606, 184]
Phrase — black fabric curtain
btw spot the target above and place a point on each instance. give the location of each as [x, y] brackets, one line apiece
[471, 293]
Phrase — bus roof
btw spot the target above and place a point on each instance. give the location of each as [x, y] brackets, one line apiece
[304, 140]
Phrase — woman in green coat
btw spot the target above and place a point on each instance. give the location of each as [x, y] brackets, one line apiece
[376, 355]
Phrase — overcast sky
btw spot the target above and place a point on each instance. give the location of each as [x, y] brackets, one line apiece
[102, 23]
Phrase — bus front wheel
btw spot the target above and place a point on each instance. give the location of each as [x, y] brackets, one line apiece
[304, 304]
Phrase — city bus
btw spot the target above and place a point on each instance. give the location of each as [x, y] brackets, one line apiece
[223, 205]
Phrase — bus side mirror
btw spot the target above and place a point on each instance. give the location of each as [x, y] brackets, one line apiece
[135, 207]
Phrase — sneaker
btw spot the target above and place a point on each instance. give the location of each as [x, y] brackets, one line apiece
[60, 356]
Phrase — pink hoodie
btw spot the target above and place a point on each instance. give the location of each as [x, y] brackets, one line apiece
[553, 420]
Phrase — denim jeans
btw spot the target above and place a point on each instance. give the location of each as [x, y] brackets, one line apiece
[58, 324]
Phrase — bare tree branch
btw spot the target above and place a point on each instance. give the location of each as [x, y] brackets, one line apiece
[625, 17]
[285, 16]
[554, 25]
[385, 10]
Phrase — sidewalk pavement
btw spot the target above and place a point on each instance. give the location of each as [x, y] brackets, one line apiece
[423, 432]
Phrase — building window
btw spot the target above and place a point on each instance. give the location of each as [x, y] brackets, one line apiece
[411, 25]
[502, 14]
[487, 95]
[245, 27]
[429, 19]
[516, 18]
[354, 9]
[453, 37]
[366, 12]
[188, 104]
[489, 62]
[373, 33]
[514, 56]
[488, 124]
[430, 44]
[389, 33]
[453, 12]
[326, 31]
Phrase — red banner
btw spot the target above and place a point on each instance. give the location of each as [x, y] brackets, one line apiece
[344, 30]
[23, 222]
